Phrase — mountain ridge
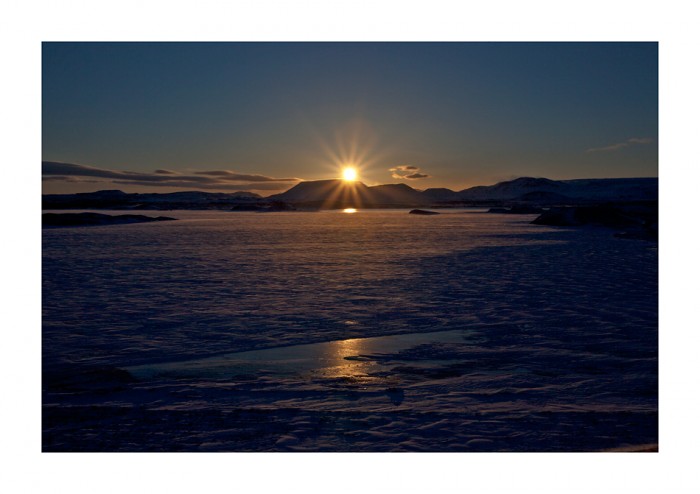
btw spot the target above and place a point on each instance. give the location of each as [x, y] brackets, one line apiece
[336, 193]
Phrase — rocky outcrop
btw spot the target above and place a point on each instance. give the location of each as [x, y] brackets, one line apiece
[636, 221]
[422, 211]
[609, 216]
[277, 206]
[273, 207]
[54, 220]
[518, 209]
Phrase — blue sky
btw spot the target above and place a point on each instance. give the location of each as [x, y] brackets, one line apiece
[259, 115]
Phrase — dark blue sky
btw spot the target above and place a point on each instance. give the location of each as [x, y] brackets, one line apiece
[462, 113]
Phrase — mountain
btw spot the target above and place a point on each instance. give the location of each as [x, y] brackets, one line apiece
[324, 192]
[397, 194]
[511, 190]
[545, 197]
[546, 191]
[330, 194]
[441, 195]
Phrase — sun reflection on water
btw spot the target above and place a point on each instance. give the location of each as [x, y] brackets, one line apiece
[339, 366]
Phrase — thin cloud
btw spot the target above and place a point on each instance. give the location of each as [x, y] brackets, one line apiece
[401, 172]
[218, 179]
[245, 177]
[61, 178]
[621, 145]
[212, 186]
[403, 168]
[640, 140]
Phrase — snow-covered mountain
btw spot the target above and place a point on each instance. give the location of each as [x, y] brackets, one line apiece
[512, 189]
[543, 190]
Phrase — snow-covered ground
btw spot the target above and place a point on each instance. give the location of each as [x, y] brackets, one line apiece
[375, 331]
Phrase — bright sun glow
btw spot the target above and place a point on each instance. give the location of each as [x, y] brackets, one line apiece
[349, 174]
[349, 210]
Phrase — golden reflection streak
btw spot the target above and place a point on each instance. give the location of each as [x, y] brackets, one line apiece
[341, 367]
[345, 194]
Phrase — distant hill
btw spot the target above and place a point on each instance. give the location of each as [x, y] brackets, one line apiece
[397, 194]
[329, 194]
[325, 192]
[341, 194]
[542, 191]
[511, 190]
[441, 195]
[116, 199]
[547, 191]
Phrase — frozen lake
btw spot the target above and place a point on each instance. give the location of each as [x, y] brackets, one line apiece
[372, 331]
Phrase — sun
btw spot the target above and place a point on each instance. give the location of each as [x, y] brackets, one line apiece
[349, 174]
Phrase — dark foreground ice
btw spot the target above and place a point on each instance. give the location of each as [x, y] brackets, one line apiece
[331, 332]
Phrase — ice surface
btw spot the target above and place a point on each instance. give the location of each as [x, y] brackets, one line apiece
[343, 358]
[378, 331]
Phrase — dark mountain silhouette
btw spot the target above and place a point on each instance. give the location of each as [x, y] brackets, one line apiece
[511, 190]
[441, 195]
[55, 220]
[342, 194]
[545, 197]
[325, 192]
[329, 194]
[542, 191]
[553, 191]
[116, 199]
[399, 194]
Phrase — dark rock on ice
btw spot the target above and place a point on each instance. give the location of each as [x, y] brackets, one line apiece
[639, 221]
[610, 216]
[248, 207]
[650, 233]
[279, 206]
[422, 211]
[95, 219]
[272, 207]
[358, 358]
[85, 379]
[517, 209]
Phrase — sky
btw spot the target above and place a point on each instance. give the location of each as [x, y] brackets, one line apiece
[163, 117]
